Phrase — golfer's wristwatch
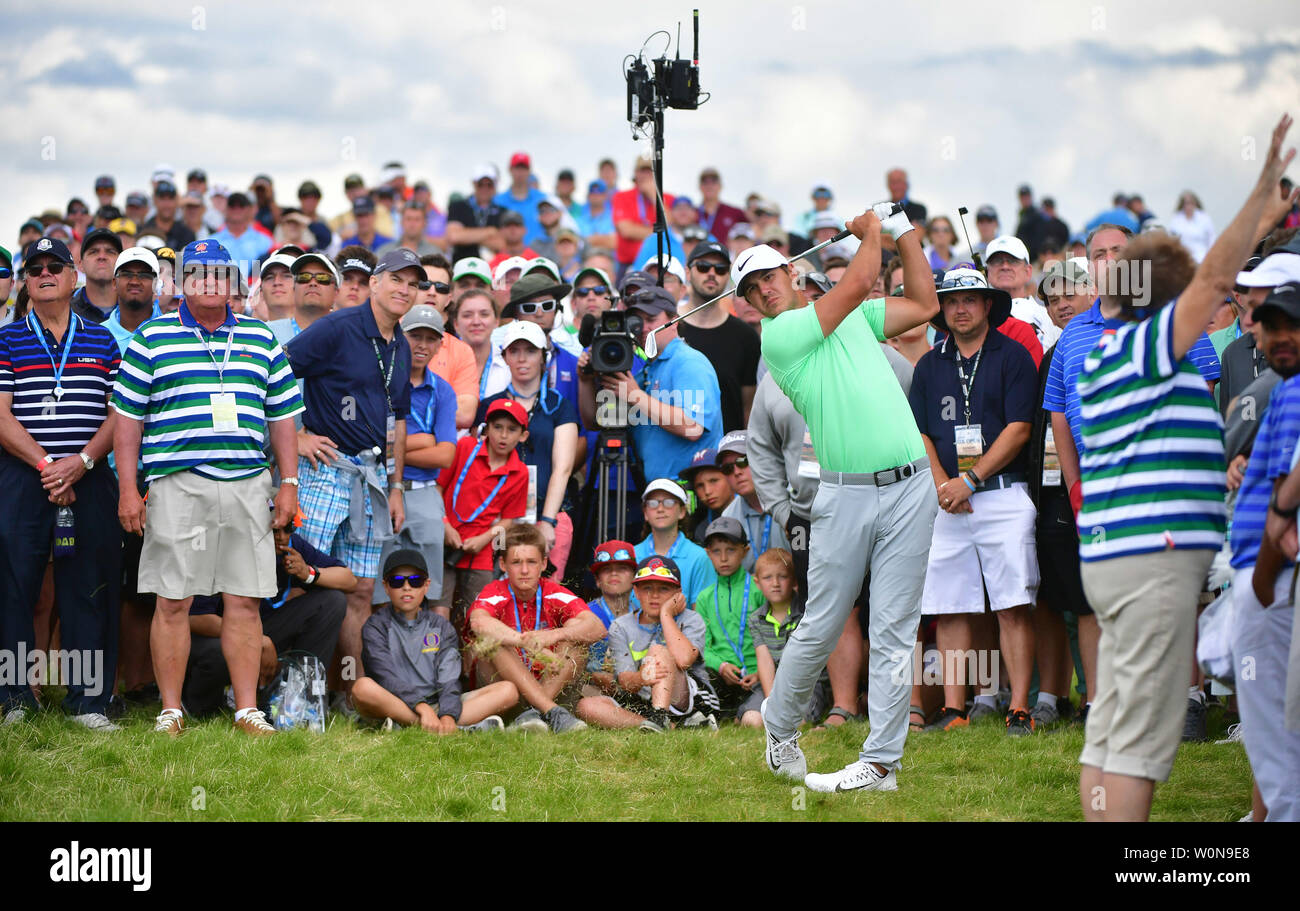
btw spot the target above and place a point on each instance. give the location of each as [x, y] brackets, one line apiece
[87, 461]
[293, 481]
[1284, 513]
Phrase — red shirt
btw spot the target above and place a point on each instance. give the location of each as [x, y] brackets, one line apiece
[527, 253]
[1024, 333]
[559, 606]
[630, 205]
[480, 480]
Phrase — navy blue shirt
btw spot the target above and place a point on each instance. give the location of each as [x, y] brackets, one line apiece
[212, 604]
[343, 386]
[433, 410]
[1004, 391]
[543, 418]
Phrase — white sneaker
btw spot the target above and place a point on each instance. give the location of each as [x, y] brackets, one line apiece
[94, 721]
[15, 716]
[856, 776]
[784, 757]
[1249, 817]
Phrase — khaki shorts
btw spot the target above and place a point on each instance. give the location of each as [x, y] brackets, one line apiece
[205, 537]
[1146, 609]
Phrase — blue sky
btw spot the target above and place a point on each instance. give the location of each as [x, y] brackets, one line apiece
[1077, 99]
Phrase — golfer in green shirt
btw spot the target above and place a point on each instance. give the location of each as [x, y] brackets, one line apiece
[876, 504]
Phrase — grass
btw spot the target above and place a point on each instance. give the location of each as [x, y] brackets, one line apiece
[50, 769]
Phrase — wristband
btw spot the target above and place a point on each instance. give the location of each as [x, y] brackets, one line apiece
[549, 521]
[312, 575]
[1284, 513]
[44, 463]
[292, 481]
[971, 472]
[967, 481]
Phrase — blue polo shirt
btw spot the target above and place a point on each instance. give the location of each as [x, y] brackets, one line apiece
[680, 376]
[61, 426]
[114, 325]
[433, 410]
[589, 224]
[527, 207]
[1077, 340]
[343, 361]
[1279, 429]
[555, 411]
[691, 559]
[212, 604]
[1003, 392]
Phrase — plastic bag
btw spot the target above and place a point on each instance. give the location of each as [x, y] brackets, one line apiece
[298, 693]
[1214, 639]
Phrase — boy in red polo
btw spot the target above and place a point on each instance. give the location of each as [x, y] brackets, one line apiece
[540, 629]
[485, 491]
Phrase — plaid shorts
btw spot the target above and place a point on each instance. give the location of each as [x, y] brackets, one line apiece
[325, 497]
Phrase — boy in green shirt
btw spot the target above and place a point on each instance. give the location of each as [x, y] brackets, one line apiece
[725, 608]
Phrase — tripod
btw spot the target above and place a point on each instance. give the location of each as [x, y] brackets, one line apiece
[615, 471]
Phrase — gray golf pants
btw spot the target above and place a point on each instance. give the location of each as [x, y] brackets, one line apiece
[856, 526]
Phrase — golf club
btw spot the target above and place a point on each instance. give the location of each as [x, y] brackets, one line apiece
[961, 216]
[651, 346]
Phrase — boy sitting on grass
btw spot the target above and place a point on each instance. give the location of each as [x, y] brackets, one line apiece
[613, 565]
[532, 632]
[773, 623]
[412, 659]
[656, 657]
[725, 607]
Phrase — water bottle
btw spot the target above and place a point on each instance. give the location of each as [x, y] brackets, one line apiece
[65, 533]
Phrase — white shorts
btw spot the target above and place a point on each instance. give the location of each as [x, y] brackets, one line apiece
[994, 542]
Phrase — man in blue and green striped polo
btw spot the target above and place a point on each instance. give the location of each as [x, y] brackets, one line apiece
[201, 391]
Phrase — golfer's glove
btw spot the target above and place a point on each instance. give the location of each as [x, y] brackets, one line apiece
[896, 224]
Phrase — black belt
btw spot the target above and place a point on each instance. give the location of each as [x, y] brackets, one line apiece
[1005, 479]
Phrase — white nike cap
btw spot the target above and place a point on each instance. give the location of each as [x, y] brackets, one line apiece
[751, 261]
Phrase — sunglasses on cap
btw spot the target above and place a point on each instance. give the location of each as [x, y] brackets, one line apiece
[321, 278]
[592, 291]
[40, 269]
[398, 581]
[545, 306]
[653, 573]
[621, 554]
[963, 281]
[730, 467]
[715, 268]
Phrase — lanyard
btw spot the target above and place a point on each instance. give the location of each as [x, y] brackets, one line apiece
[428, 409]
[967, 385]
[677, 543]
[483, 378]
[67, 348]
[455, 494]
[539, 401]
[708, 225]
[744, 620]
[225, 360]
[539, 622]
[767, 534]
[386, 377]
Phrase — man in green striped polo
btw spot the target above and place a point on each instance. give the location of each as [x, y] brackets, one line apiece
[201, 390]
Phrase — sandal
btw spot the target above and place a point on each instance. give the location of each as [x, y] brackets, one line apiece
[916, 725]
[839, 713]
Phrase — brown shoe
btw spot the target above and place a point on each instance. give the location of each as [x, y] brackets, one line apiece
[254, 724]
[170, 722]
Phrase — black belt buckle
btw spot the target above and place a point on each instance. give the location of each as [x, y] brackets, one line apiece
[895, 475]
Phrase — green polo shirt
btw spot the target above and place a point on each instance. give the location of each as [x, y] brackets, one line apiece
[857, 414]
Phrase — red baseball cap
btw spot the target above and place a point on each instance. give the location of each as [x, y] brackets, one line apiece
[510, 407]
[520, 160]
[613, 553]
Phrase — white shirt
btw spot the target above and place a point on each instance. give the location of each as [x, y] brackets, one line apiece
[1196, 233]
[1034, 313]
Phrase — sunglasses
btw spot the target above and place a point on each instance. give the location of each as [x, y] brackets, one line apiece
[40, 269]
[321, 278]
[963, 281]
[530, 307]
[78, 211]
[730, 467]
[6, 272]
[439, 288]
[136, 275]
[715, 268]
[620, 554]
[424, 285]
[592, 291]
[415, 580]
[664, 503]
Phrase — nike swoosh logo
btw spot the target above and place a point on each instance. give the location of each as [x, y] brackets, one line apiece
[637, 656]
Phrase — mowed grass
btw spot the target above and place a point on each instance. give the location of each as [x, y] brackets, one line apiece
[51, 769]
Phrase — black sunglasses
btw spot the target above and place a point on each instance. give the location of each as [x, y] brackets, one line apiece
[592, 291]
[415, 580]
[440, 288]
[715, 268]
[730, 467]
[40, 269]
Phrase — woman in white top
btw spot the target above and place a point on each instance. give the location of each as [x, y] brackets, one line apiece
[1192, 226]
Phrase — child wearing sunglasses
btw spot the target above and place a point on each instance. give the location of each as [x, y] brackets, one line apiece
[411, 656]
[613, 565]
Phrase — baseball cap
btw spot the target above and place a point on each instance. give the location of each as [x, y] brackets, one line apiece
[277, 259]
[726, 527]
[306, 259]
[105, 182]
[122, 226]
[741, 229]
[136, 255]
[6, 256]
[544, 264]
[1059, 275]
[363, 205]
[1023, 189]
[522, 330]
[197, 174]
[683, 201]
[503, 268]
[532, 285]
[48, 246]
[1009, 244]
[751, 261]
[733, 442]
[635, 278]
[472, 265]
[104, 234]
[986, 213]
[162, 172]
[261, 178]
[392, 171]
[485, 171]
[613, 553]
[405, 557]
[397, 259]
[709, 248]
[1275, 269]
[551, 201]
[308, 188]
[510, 407]
[705, 458]
[664, 485]
[655, 568]
[219, 189]
[520, 160]
[352, 264]
[825, 220]
[352, 181]
[710, 172]
[821, 191]
[1285, 298]
[651, 300]
[511, 217]
[423, 316]
[204, 253]
[238, 199]
[968, 278]
[136, 198]
[774, 234]
[643, 161]
[164, 188]
[596, 271]
[598, 186]
[767, 207]
[673, 266]
[567, 234]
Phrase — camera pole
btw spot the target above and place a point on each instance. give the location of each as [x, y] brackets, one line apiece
[661, 217]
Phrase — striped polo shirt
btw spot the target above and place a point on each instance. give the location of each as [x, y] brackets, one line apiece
[61, 425]
[167, 379]
[1152, 467]
[1271, 458]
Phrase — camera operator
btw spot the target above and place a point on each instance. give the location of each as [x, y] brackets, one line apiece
[673, 405]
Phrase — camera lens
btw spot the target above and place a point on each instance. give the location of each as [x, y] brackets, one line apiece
[612, 351]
